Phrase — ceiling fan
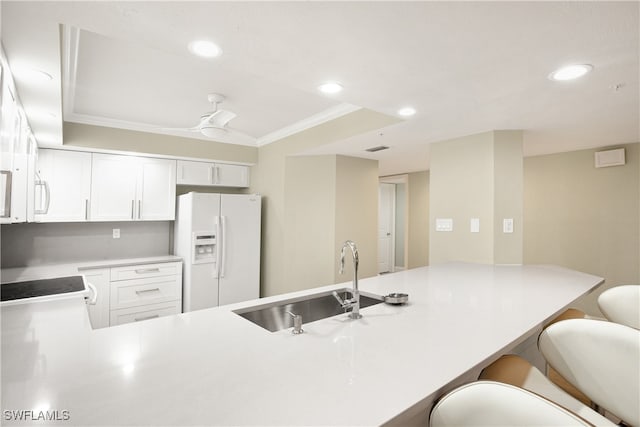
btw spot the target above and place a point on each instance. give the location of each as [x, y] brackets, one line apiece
[212, 123]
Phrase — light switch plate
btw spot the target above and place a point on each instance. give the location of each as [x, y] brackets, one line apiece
[444, 224]
[507, 225]
[474, 225]
[116, 233]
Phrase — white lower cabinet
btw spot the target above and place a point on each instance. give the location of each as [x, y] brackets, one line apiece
[145, 312]
[134, 293]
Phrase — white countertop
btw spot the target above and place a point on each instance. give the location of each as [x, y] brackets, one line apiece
[213, 367]
[44, 271]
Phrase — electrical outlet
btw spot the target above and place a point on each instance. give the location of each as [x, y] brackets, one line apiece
[116, 233]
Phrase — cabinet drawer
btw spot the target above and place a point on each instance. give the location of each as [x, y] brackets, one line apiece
[138, 314]
[146, 270]
[151, 290]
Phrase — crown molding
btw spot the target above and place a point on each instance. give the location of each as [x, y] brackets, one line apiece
[311, 121]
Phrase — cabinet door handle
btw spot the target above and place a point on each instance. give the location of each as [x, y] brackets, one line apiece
[217, 169]
[7, 194]
[148, 290]
[86, 209]
[133, 202]
[139, 209]
[147, 270]
[138, 319]
[45, 209]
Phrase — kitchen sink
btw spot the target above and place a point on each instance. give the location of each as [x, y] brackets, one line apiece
[275, 316]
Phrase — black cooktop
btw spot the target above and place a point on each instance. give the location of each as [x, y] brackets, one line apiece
[41, 287]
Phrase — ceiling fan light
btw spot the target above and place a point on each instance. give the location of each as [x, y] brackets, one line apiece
[212, 131]
[205, 49]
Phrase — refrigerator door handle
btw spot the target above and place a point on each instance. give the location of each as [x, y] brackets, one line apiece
[218, 247]
[224, 245]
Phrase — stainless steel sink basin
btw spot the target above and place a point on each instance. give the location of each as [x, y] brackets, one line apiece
[274, 316]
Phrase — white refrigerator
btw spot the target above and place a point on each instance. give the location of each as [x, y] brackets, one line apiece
[218, 238]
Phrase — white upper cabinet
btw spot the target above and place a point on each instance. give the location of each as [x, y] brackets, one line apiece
[62, 186]
[113, 188]
[212, 174]
[17, 148]
[195, 173]
[156, 189]
[231, 175]
[132, 188]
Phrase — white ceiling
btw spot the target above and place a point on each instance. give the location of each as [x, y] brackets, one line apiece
[467, 67]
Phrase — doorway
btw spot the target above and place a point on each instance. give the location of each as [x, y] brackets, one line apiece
[392, 224]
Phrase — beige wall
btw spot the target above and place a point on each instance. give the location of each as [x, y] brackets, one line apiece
[418, 233]
[269, 177]
[508, 194]
[309, 219]
[584, 218]
[461, 187]
[356, 214]
[477, 176]
[143, 142]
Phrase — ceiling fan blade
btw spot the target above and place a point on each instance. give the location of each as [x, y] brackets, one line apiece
[195, 129]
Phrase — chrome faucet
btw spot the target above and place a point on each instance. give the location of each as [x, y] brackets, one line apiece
[354, 301]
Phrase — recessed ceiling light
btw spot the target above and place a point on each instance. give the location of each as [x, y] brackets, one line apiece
[330, 87]
[407, 111]
[570, 72]
[205, 49]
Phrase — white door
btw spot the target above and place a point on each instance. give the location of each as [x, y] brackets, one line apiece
[113, 187]
[156, 190]
[64, 186]
[240, 260]
[386, 208]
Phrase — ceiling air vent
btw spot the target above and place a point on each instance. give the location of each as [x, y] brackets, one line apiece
[610, 158]
[378, 148]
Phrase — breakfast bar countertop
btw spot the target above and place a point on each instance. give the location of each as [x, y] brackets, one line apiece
[213, 367]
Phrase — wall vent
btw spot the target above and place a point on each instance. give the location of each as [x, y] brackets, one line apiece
[378, 148]
[610, 158]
